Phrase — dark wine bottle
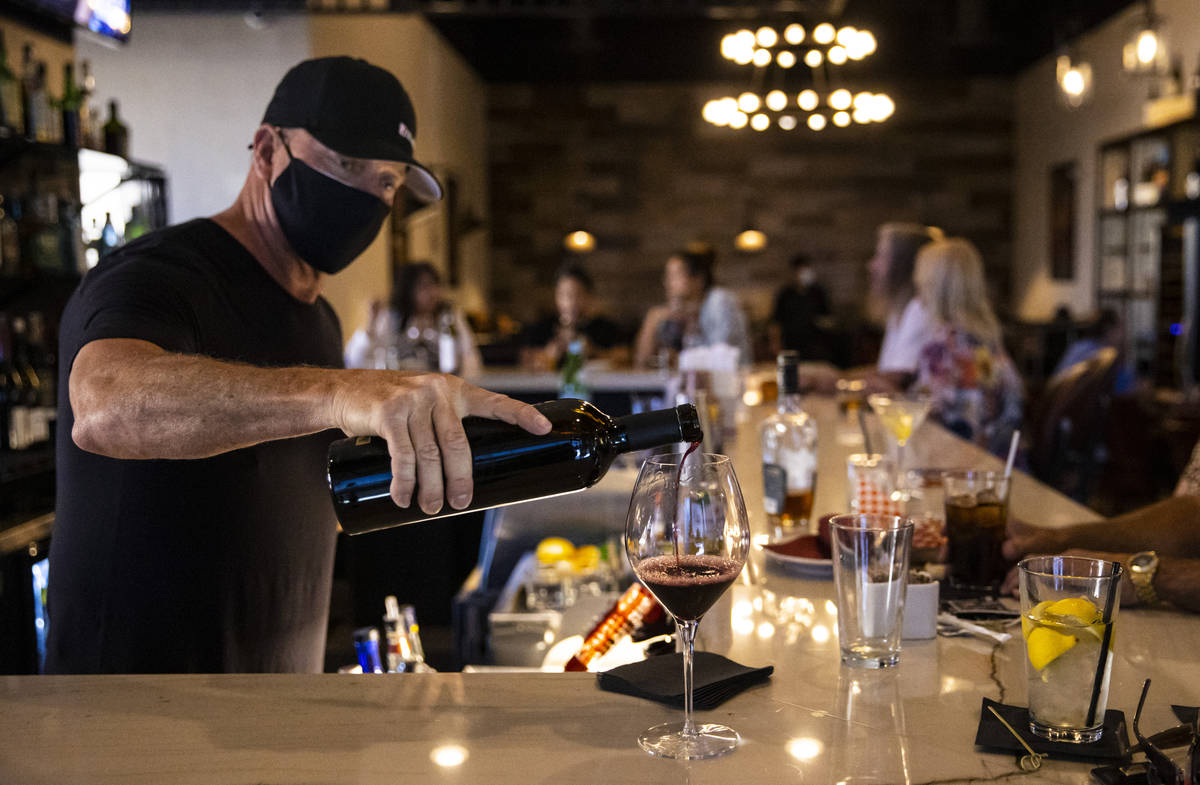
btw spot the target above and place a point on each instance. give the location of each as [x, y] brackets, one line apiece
[510, 464]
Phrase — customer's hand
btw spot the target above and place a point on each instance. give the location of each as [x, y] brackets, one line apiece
[1012, 581]
[420, 416]
[1025, 538]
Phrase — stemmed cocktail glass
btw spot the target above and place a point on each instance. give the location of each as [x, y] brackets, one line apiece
[901, 414]
[687, 536]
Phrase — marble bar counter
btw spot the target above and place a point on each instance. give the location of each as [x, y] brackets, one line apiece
[515, 381]
[815, 721]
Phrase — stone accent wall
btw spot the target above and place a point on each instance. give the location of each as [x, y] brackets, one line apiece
[637, 166]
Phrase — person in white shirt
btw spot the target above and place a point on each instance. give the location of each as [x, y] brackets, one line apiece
[892, 298]
[406, 335]
[697, 313]
[908, 326]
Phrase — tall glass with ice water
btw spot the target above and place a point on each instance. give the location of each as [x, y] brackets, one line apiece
[1068, 609]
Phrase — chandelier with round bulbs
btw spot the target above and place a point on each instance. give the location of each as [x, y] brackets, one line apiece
[779, 51]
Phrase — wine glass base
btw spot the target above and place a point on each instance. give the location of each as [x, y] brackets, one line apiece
[709, 741]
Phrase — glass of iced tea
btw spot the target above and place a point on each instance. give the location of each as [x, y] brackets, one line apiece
[976, 519]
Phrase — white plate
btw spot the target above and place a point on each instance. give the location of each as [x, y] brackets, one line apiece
[800, 565]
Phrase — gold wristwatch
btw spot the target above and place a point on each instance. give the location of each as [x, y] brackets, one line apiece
[1142, 567]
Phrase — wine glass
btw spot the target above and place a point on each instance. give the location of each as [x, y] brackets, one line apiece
[901, 414]
[687, 536]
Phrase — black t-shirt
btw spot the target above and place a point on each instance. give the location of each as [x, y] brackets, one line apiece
[796, 312]
[213, 565]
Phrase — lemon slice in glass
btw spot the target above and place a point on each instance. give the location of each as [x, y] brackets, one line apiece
[1045, 645]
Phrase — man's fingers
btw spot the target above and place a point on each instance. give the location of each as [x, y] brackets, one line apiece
[456, 455]
[404, 466]
[500, 407]
[429, 460]
[1012, 583]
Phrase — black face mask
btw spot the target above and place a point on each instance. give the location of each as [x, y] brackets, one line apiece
[327, 223]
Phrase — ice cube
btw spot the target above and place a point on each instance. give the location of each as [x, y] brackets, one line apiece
[987, 496]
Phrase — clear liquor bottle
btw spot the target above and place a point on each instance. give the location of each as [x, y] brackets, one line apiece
[789, 453]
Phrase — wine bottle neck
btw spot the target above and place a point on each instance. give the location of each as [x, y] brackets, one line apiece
[790, 403]
[655, 429]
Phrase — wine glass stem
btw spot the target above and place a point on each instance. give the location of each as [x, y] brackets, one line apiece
[687, 635]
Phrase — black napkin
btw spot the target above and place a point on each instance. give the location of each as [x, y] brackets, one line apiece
[1113, 744]
[715, 679]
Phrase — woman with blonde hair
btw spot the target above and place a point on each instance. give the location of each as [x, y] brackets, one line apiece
[976, 390]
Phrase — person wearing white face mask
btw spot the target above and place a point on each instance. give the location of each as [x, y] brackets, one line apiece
[800, 318]
[202, 369]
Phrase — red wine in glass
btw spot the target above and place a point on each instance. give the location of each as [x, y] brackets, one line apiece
[687, 586]
[687, 536]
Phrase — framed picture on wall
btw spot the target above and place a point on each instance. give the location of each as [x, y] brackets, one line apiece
[1063, 181]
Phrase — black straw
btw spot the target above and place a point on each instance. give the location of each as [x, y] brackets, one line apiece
[1113, 586]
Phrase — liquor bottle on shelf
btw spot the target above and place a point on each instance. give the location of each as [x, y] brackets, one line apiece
[43, 248]
[70, 238]
[28, 88]
[789, 453]
[635, 608]
[10, 238]
[9, 386]
[12, 107]
[510, 464]
[37, 104]
[116, 134]
[71, 101]
[27, 427]
[40, 357]
[87, 113]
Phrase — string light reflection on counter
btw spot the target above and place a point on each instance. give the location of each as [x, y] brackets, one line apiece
[805, 748]
[449, 755]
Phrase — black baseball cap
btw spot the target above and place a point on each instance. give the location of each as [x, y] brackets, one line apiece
[355, 108]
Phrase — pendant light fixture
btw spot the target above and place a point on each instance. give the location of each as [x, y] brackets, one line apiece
[774, 53]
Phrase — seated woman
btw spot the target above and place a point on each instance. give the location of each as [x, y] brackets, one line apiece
[976, 391]
[908, 326]
[408, 333]
[544, 343]
[890, 298]
[697, 313]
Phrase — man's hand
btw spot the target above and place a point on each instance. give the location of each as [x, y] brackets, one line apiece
[420, 416]
[1129, 598]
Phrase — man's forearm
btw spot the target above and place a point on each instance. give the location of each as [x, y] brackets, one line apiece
[1178, 582]
[1171, 525]
[134, 400]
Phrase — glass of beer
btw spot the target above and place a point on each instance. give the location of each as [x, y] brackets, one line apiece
[976, 519]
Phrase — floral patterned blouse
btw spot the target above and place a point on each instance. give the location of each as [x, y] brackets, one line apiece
[977, 393]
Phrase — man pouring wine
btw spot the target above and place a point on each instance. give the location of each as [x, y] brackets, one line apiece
[202, 380]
